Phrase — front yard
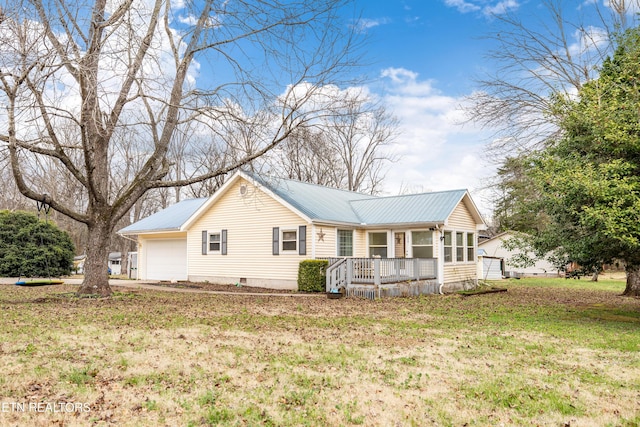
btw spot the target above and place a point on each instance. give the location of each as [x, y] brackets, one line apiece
[547, 352]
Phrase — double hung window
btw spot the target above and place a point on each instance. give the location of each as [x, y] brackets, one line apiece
[289, 240]
[378, 244]
[422, 244]
[345, 243]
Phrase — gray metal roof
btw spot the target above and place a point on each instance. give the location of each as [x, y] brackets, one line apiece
[169, 219]
[319, 203]
[408, 209]
[329, 204]
[314, 201]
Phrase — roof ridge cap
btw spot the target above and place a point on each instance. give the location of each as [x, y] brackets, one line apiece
[264, 177]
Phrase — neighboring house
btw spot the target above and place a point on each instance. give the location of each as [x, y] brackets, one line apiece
[255, 230]
[494, 248]
[115, 263]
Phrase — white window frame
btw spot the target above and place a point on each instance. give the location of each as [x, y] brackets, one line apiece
[338, 242]
[457, 249]
[284, 230]
[451, 245]
[460, 248]
[412, 243]
[470, 249]
[377, 246]
[219, 242]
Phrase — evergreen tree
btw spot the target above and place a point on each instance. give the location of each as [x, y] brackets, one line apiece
[589, 181]
[30, 247]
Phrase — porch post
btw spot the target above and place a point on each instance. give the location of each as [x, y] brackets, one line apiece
[376, 271]
[440, 259]
[416, 268]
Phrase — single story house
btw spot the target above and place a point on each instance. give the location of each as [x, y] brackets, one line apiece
[115, 263]
[494, 248]
[255, 230]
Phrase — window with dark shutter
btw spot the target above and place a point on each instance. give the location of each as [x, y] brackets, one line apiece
[205, 241]
[290, 240]
[214, 242]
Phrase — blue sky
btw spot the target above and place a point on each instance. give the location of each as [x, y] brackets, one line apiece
[424, 56]
[427, 37]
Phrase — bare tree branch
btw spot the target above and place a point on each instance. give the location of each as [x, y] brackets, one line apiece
[98, 92]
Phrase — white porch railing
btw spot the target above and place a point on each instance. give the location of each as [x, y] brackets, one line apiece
[344, 272]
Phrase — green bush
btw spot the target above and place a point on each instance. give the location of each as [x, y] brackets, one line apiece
[311, 275]
[33, 248]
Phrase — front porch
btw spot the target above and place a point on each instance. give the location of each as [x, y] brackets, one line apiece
[379, 277]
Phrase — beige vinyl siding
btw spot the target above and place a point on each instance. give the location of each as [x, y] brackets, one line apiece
[249, 220]
[325, 248]
[460, 220]
[142, 255]
[462, 272]
[360, 244]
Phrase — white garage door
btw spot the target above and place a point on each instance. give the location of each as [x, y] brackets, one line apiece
[166, 259]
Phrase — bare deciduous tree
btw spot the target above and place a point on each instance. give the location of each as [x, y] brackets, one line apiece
[536, 60]
[361, 133]
[97, 68]
[347, 148]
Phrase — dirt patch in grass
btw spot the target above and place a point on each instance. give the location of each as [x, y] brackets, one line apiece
[206, 286]
[530, 356]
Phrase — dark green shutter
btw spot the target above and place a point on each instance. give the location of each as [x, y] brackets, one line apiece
[205, 238]
[302, 239]
[276, 240]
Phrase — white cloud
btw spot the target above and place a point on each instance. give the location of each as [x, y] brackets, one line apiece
[437, 152]
[501, 7]
[462, 6]
[190, 20]
[493, 8]
[364, 24]
[587, 39]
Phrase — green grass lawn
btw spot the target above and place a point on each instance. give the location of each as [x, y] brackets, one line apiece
[605, 282]
[548, 352]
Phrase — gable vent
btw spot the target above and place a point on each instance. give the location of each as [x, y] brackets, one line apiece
[243, 190]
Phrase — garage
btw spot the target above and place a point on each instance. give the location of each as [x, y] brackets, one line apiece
[166, 259]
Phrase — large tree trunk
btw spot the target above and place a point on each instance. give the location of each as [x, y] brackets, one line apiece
[96, 275]
[633, 281]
